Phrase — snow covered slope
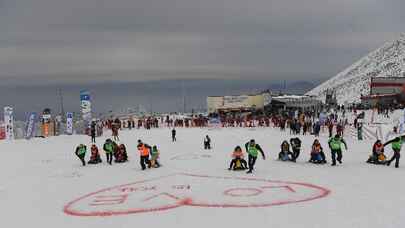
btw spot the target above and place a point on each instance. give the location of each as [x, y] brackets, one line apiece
[44, 185]
[386, 61]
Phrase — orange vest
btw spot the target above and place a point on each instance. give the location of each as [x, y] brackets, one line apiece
[316, 148]
[143, 150]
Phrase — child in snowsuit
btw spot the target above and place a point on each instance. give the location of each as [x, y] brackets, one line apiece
[253, 150]
[144, 150]
[396, 147]
[317, 154]
[109, 150]
[95, 156]
[81, 153]
[296, 148]
[207, 143]
[285, 153]
[238, 162]
[335, 145]
[154, 153]
[377, 157]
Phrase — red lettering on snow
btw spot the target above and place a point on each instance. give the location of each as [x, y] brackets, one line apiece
[108, 200]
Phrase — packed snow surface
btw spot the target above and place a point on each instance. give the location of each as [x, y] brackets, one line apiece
[44, 185]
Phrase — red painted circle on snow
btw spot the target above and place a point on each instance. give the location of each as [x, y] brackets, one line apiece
[156, 195]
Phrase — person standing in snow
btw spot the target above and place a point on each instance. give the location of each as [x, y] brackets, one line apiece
[81, 153]
[109, 149]
[144, 151]
[396, 145]
[335, 145]
[93, 132]
[174, 135]
[253, 150]
[207, 143]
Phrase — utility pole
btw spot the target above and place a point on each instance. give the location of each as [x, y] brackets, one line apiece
[184, 97]
[62, 109]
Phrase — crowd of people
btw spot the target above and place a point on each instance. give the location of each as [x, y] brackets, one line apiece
[299, 123]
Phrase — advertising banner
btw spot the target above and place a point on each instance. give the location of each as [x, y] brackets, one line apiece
[9, 122]
[30, 125]
[85, 104]
[2, 131]
[69, 123]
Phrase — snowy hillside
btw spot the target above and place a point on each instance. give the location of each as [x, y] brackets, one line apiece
[387, 61]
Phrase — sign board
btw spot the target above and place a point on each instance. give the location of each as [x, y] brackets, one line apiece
[9, 122]
[236, 101]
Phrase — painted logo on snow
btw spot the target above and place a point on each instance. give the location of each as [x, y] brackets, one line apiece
[178, 190]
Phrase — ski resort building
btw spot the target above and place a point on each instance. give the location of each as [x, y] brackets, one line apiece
[387, 85]
[238, 103]
[295, 102]
[385, 91]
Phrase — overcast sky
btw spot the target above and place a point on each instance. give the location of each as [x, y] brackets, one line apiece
[82, 41]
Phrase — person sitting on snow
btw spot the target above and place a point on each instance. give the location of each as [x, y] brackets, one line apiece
[296, 148]
[377, 157]
[121, 154]
[154, 153]
[238, 162]
[95, 155]
[81, 153]
[317, 154]
[285, 153]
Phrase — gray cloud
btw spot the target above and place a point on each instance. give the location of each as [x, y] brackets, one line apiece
[82, 41]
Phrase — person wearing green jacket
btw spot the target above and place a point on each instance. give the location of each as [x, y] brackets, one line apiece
[396, 145]
[81, 153]
[109, 149]
[335, 145]
[253, 150]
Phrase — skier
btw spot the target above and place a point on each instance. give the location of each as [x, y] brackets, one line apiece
[93, 132]
[253, 150]
[285, 153]
[154, 153]
[317, 154]
[109, 149]
[396, 147]
[144, 150]
[335, 145]
[174, 135]
[81, 153]
[238, 162]
[207, 143]
[296, 148]
[95, 156]
[377, 157]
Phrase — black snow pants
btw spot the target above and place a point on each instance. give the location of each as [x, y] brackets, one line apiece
[252, 161]
[395, 157]
[339, 156]
[144, 160]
